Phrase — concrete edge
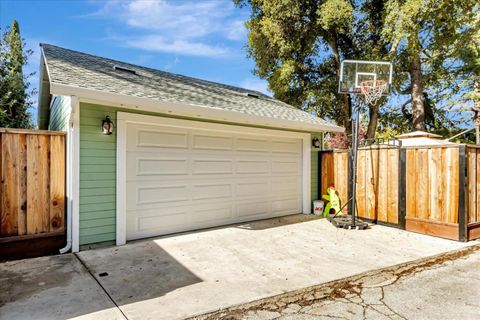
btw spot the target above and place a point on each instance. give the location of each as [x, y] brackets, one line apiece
[337, 288]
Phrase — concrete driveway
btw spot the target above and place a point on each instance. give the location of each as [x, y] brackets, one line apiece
[184, 275]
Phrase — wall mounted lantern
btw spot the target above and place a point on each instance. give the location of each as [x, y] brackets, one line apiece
[316, 143]
[107, 126]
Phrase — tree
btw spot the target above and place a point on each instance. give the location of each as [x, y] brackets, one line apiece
[14, 86]
[468, 51]
[423, 37]
[298, 47]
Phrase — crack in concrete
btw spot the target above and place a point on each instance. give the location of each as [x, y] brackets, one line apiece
[343, 291]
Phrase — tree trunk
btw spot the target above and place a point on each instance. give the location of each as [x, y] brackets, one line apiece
[333, 43]
[372, 124]
[418, 100]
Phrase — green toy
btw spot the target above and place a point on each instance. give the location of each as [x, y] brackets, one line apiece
[333, 202]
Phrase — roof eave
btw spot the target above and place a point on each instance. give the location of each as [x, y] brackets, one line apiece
[186, 110]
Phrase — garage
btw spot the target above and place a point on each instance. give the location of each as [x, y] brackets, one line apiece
[183, 175]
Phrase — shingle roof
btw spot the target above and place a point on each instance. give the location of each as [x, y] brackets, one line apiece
[76, 69]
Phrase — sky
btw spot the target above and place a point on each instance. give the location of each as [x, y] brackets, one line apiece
[204, 39]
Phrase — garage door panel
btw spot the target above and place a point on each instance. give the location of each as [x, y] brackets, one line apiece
[212, 142]
[252, 167]
[161, 194]
[252, 209]
[159, 166]
[207, 214]
[286, 205]
[287, 146]
[193, 178]
[154, 138]
[253, 188]
[153, 222]
[253, 145]
[286, 166]
[212, 191]
[286, 186]
[212, 166]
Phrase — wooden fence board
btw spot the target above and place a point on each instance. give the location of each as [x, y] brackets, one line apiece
[22, 184]
[382, 186]
[453, 185]
[9, 205]
[411, 183]
[393, 185]
[435, 183]
[38, 191]
[57, 182]
[341, 175]
[422, 187]
[327, 170]
[360, 194]
[370, 186]
[471, 185]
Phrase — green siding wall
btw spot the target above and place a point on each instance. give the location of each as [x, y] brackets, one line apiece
[98, 174]
[59, 113]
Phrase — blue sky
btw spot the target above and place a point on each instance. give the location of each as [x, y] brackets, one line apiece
[204, 39]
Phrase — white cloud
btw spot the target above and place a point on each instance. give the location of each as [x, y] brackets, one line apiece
[179, 46]
[237, 30]
[181, 27]
[256, 84]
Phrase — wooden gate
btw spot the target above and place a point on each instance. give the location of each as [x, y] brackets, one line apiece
[32, 188]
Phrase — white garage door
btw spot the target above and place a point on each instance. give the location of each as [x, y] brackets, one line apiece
[182, 177]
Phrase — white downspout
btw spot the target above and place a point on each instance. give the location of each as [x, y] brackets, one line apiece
[72, 134]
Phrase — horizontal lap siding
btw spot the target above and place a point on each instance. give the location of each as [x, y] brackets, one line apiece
[97, 175]
[59, 113]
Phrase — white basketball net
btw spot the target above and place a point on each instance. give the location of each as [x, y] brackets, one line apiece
[372, 90]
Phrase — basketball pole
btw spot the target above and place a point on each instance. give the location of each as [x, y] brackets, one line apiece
[355, 130]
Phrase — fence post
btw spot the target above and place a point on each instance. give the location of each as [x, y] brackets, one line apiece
[402, 190]
[462, 201]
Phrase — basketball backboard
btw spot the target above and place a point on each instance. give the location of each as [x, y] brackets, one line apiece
[355, 72]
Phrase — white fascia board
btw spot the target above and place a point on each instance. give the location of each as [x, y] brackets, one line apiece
[186, 110]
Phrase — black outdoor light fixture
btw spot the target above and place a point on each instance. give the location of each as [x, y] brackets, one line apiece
[316, 143]
[107, 126]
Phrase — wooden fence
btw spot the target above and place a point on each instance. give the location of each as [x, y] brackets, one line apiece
[433, 189]
[32, 188]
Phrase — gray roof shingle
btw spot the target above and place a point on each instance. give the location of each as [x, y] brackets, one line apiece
[76, 69]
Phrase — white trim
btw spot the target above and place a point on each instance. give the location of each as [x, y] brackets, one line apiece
[186, 110]
[121, 184]
[75, 173]
[124, 118]
[307, 177]
[69, 180]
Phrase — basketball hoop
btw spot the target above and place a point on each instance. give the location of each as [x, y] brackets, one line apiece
[370, 80]
[372, 90]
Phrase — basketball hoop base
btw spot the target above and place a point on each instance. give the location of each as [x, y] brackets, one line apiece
[346, 222]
